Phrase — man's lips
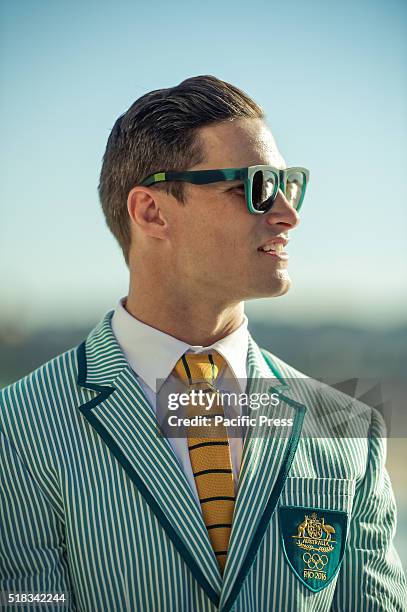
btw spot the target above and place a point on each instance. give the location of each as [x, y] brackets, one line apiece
[281, 255]
[274, 247]
[274, 241]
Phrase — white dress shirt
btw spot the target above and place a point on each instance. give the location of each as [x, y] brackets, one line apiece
[152, 354]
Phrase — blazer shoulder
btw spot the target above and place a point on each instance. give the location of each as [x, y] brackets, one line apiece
[49, 388]
[345, 405]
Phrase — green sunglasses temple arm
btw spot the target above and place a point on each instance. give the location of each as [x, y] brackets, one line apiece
[197, 177]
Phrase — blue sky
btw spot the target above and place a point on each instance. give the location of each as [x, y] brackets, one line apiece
[331, 78]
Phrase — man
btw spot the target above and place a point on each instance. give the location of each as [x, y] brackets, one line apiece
[98, 504]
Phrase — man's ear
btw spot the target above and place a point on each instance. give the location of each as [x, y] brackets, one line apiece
[143, 205]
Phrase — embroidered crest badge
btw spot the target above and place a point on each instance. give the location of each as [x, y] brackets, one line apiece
[314, 542]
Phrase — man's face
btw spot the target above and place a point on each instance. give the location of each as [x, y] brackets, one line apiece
[214, 240]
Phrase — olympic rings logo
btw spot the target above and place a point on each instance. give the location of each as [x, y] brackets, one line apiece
[315, 561]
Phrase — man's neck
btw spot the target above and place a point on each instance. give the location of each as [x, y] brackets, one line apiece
[199, 324]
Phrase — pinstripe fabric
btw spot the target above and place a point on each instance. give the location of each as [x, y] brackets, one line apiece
[85, 506]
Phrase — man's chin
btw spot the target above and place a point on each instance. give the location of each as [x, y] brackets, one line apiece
[279, 285]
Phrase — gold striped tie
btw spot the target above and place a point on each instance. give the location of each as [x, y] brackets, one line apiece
[209, 450]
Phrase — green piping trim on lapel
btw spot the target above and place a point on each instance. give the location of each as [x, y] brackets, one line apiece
[275, 370]
[130, 471]
[81, 380]
[271, 505]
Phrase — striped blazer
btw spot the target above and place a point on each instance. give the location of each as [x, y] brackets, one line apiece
[94, 503]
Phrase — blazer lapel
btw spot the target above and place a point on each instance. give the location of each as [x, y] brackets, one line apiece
[119, 412]
[267, 456]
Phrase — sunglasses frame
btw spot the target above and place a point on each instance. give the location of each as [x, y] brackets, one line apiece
[204, 177]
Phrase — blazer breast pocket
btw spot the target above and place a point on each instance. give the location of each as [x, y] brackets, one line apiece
[314, 516]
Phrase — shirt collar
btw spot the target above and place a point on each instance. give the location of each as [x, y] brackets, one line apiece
[152, 354]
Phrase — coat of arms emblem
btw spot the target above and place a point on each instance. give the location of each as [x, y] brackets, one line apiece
[313, 532]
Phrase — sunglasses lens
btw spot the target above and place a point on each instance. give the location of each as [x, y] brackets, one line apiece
[263, 190]
[294, 188]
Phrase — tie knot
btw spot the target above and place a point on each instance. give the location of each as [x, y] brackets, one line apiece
[194, 368]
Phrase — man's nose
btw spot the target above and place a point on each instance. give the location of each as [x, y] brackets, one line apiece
[283, 212]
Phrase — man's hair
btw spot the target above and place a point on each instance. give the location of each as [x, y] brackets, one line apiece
[158, 133]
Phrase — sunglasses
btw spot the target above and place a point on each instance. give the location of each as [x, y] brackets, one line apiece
[261, 183]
